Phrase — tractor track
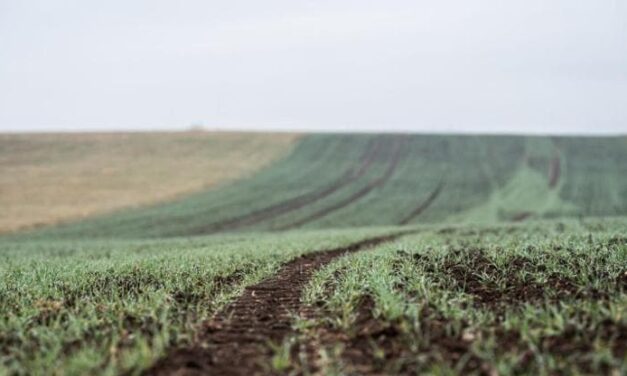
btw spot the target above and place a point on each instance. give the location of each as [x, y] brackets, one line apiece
[424, 205]
[236, 341]
[353, 173]
[555, 168]
[554, 172]
[357, 195]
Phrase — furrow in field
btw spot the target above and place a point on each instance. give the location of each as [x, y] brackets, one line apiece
[423, 205]
[352, 174]
[357, 195]
[236, 341]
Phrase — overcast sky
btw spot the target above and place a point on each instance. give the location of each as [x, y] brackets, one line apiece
[469, 65]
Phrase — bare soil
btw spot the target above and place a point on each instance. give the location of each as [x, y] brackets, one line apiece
[469, 276]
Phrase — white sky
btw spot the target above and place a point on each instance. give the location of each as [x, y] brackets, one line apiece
[442, 65]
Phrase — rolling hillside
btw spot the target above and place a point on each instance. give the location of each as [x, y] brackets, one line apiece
[50, 178]
[331, 181]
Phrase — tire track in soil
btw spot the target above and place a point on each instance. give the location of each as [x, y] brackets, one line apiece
[555, 168]
[236, 341]
[554, 171]
[423, 205]
[353, 173]
[355, 196]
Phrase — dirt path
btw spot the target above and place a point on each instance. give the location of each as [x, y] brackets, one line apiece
[357, 195]
[257, 216]
[423, 205]
[236, 341]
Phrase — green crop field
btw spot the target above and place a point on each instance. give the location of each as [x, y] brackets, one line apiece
[354, 254]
